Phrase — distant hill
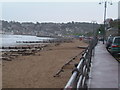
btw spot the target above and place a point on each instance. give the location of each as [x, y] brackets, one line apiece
[48, 29]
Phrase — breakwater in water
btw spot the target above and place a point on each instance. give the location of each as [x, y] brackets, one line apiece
[13, 40]
[11, 52]
[28, 43]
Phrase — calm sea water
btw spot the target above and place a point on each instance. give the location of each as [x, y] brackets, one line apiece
[10, 40]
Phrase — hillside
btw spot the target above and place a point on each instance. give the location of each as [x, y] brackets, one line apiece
[48, 29]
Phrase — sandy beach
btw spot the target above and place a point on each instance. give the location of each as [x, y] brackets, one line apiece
[38, 70]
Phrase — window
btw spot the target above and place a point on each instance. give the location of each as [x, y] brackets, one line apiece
[117, 40]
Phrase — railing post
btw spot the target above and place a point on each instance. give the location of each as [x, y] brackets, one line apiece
[81, 74]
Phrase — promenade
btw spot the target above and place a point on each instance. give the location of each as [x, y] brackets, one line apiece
[104, 69]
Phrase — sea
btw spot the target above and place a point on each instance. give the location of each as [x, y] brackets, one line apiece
[7, 40]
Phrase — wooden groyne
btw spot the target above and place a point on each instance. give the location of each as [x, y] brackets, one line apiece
[20, 47]
[10, 52]
[44, 41]
[47, 41]
[18, 51]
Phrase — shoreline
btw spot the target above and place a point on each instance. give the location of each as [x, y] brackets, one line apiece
[37, 70]
[28, 49]
[26, 44]
[15, 40]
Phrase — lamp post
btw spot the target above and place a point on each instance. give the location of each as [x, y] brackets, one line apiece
[105, 8]
[93, 22]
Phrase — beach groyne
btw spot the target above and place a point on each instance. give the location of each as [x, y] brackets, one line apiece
[36, 42]
[11, 52]
[47, 41]
[35, 68]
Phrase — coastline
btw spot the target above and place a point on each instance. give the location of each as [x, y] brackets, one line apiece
[37, 69]
[16, 40]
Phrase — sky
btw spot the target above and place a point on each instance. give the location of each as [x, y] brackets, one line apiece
[56, 11]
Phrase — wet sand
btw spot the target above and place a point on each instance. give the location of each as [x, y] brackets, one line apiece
[37, 71]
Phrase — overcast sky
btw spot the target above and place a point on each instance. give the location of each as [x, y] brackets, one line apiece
[57, 11]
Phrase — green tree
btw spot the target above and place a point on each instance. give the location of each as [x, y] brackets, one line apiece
[116, 24]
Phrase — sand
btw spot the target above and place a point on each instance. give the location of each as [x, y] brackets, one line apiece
[37, 71]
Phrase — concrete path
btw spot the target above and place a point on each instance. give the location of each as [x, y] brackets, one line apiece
[104, 70]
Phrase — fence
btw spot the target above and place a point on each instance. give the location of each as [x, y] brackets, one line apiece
[80, 74]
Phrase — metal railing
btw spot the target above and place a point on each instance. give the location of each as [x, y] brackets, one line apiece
[67, 63]
[80, 74]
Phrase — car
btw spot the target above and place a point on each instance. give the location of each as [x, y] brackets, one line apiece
[109, 42]
[115, 46]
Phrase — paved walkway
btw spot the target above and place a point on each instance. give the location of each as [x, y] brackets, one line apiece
[104, 70]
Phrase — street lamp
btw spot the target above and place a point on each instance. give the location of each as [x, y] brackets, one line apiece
[105, 7]
[93, 22]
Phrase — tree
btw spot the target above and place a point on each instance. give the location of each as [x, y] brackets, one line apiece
[116, 24]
